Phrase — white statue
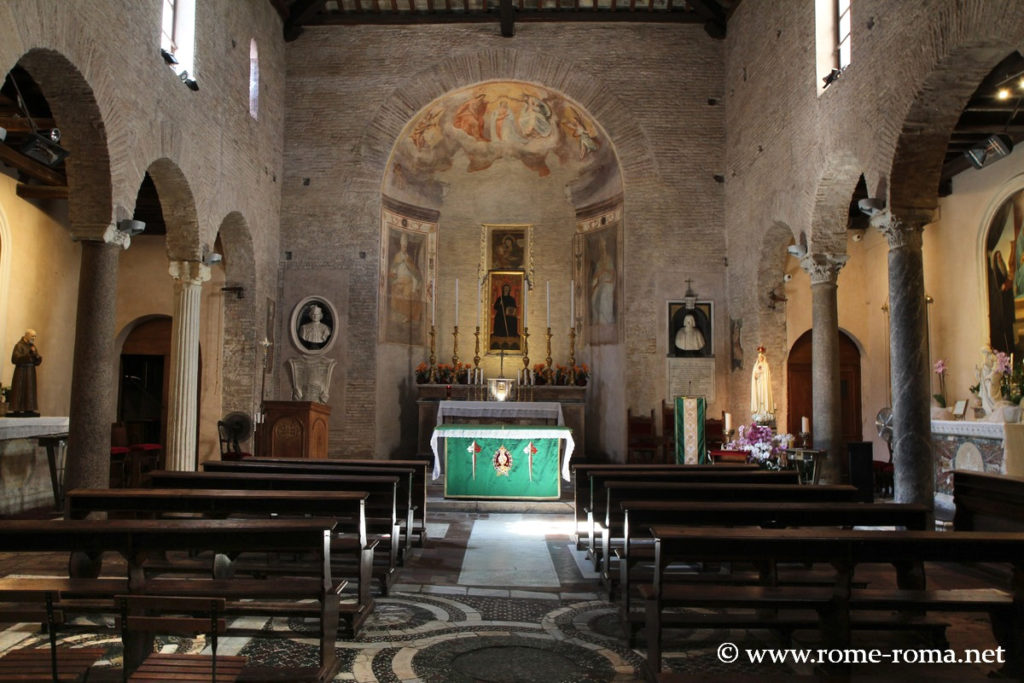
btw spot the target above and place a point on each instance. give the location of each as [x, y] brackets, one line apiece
[315, 332]
[990, 377]
[689, 338]
[762, 405]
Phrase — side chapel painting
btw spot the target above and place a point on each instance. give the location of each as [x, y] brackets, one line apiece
[599, 248]
[407, 265]
[1004, 253]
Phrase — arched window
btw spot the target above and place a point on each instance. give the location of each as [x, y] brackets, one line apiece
[178, 34]
[254, 80]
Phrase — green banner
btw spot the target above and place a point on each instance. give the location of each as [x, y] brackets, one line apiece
[510, 467]
[691, 448]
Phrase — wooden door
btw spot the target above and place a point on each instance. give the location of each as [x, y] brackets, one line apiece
[799, 386]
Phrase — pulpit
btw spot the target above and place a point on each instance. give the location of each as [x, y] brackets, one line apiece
[294, 429]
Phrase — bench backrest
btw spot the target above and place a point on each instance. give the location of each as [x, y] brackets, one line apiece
[988, 502]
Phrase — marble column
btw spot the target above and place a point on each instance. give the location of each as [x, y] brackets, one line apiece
[92, 376]
[189, 277]
[825, 394]
[911, 394]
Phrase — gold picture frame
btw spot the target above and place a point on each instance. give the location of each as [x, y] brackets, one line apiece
[505, 312]
[507, 246]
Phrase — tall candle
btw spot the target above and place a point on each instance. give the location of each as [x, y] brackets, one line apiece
[805, 425]
[456, 302]
[548, 287]
[728, 422]
[572, 303]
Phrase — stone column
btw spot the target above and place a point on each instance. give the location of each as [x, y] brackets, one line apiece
[911, 395]
[189, 277]
[826, 396]
[92, 376]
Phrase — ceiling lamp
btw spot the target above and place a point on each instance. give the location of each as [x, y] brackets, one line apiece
[995, 148]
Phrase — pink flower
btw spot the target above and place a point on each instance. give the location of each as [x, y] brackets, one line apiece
[1002, 362]
[940, 367]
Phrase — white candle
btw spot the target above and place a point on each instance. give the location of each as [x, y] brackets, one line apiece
[805, 425]
[572, 304]
[728, 422]
[548, 287]
[456, 302]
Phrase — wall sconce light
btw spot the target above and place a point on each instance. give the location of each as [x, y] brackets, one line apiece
[130, 226]
[831, 76]
[188, 80]
[169, 58]
[212, 258]
[995, 148]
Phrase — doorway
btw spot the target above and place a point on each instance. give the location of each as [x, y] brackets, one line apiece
[144, 385]
[799, 386]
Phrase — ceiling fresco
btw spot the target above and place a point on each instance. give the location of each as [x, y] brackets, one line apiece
[472, 128]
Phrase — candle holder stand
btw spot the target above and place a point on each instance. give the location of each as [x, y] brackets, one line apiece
[455, 346]
[433, 358]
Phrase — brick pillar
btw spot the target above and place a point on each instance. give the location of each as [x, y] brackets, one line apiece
[911, 395]
[825, 393]
[189, 277]
[92, 375]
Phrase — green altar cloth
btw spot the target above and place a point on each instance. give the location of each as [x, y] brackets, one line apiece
[691, 447]
[502, 461]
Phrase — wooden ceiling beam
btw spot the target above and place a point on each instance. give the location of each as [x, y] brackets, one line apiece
[300, 13]
[407, 18]
[42, 191]
[507, 13]
[20, 124]
[30, 167]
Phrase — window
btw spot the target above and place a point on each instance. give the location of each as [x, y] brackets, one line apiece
[254, 80]
[178, 32]
[832, 39]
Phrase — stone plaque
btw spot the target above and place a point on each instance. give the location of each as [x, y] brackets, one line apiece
[690, 377]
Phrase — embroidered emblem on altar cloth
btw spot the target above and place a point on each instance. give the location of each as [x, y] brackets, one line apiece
[502, 461]
[473, 449]
[529, 450]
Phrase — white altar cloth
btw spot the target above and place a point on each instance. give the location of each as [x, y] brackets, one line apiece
[536, 410]
[497, 432]
[32, 427]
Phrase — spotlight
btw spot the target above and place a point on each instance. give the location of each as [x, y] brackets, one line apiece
[168, 57]
[996, 147]
[188, 81]
[831, 76]
[797, 250]
[44, 149]
[869, 206]
[131, 226]
[212, 258]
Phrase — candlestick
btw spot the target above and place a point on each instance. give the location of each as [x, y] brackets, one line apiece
[456, 303]
[433, 358]
[548, 286]
[548, 359]
[526, 347]
[455, 347]
[572, 303]
[572, 346]
[433, 301]
[526, 289]
[476, 352]
[479, 297]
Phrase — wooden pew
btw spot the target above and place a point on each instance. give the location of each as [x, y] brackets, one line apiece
[138, 540]
[988, 502]
[381, 520]
[640, 515]
[582, 490]
[347, 508]
[421, 466]
[837, 605]
[598, 515]
[406, 501]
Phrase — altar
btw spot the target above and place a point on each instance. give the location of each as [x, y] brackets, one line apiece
[502, 461]
[32, 455]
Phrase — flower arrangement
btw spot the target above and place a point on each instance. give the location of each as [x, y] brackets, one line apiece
[543, 374]
[762, 444]
[560, 375]
[940, 370]
[422, 373]
[582, 374]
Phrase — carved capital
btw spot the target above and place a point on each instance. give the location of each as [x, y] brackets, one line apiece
[114, 236]
[189, 272]
[823, 267]
[898, 231]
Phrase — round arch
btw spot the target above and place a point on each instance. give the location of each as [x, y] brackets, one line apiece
[798, 385]
[178, 205]
[240, 322]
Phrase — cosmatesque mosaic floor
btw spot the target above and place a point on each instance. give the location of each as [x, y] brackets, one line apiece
[501, 597]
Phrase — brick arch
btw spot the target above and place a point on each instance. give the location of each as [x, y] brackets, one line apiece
[461, 70]
[179, 210]
[77, 114]
[830, 213]
[977, 37]
[241, 324]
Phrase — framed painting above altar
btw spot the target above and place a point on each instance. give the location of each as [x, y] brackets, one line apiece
[505, 309]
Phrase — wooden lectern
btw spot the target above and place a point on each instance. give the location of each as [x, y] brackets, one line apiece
[294, 429]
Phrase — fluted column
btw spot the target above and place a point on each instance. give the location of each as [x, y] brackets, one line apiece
[911, 438]
[92, 376]
[825, 392]
[189, 277]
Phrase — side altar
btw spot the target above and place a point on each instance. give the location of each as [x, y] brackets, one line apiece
[975, 446]
[570, 399]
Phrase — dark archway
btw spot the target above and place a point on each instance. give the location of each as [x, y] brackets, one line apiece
[799, 386]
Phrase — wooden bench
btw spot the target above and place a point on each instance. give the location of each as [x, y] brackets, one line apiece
[381, 507]
[406, 505]
[988, 502]
[607, 501]
[582, 490]
[640, 515]
[347, 508]
[839, 604]
[138, 540]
